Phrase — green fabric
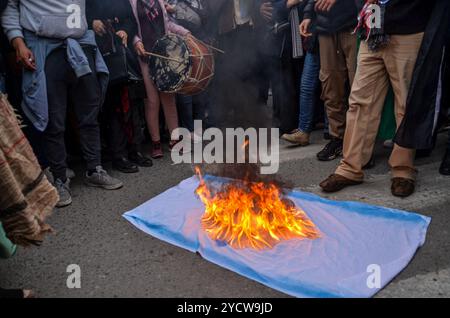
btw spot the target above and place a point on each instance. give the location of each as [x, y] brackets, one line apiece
[7, 249]
[388, 125]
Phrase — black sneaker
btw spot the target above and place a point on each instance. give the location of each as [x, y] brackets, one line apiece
[445, 166]
[140, 159]
[124, 165]
[331, 151]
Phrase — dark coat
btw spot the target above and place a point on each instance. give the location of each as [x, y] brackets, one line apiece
[418, 126]
[222, 13]
[343, 16]
[111, 10]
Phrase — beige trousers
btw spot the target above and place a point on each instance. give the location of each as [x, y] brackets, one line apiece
[337, 70]
[393, 64]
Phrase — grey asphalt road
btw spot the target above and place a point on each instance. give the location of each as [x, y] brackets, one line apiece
[117, 260]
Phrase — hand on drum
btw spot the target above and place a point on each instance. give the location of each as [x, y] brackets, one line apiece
[140, 49]
[123, 36]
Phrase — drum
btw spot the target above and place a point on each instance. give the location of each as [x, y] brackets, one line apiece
[181, 65]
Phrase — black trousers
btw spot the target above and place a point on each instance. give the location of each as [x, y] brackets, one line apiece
[113, 122]
[63, 87]
[123, 130]
[285, 81]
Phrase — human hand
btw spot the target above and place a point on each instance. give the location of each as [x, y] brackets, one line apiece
[304, 28]
[266, 11]
[23, 54]
[291, 3]
[324, 5]
[123, 36]
[99, 28]
[140, 49]
[170, 8]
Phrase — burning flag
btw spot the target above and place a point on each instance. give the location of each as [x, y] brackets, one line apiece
[254, 215]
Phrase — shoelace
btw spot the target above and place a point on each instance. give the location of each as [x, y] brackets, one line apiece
[61, 185]
[103, 175]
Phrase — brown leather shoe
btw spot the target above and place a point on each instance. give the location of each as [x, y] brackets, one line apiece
[402, 187]
[336, 183]
[297, 137]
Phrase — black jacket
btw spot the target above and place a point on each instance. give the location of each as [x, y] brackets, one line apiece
[3, 4]
[111, 10]
[343, 16]
[418, 126]
[407, 16]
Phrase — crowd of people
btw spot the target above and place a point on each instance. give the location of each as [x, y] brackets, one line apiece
[356, 72]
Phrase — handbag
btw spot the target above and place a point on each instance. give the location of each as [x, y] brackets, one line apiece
[122, 63]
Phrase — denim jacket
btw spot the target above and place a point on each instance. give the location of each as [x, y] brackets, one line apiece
[34, 85]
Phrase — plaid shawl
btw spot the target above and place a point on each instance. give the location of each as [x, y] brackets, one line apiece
[27, 198]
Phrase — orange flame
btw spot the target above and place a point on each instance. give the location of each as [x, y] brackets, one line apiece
[252, 215]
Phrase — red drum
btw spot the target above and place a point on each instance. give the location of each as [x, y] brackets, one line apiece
[181, 65]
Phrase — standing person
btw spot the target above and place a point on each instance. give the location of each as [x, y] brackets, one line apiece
[282, 66]
[113, 20]
[27, 198]
[335, 21]
[236, 97]
[18, 168]
[60, 62]
[389, 56]
[309, 85]
[192, 15]
[153, 23]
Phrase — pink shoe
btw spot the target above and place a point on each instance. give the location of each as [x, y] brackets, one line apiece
[157, 151]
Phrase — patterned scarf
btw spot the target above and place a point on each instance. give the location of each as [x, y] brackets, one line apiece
[373, 30]
[27, 198]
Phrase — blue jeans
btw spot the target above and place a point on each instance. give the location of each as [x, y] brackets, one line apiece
[308, 91]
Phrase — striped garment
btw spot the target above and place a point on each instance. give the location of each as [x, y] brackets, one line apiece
[297, 44]
[27, 198]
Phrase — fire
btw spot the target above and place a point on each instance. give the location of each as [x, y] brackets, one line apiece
[252, 215]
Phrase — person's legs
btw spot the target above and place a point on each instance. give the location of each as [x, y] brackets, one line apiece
[348, 44]
[59, 78]
[137, 118]
[57, 71]
[85, 94]
[186, 111]
[400, 59]
[170, 113]
[114, 126]
[366, 103]
[86, 97]
[291, 70]
[334, 78]
[152, 103]
[308, 90]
